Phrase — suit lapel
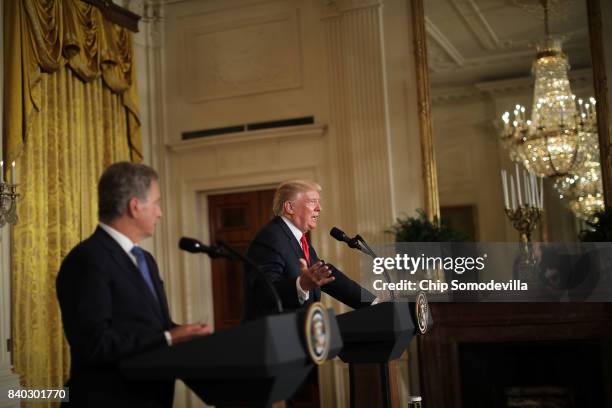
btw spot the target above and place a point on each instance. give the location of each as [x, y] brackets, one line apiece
[130, 270]
[299, 253]
[292, 241]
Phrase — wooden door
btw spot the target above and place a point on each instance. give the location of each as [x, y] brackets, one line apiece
[235, 218]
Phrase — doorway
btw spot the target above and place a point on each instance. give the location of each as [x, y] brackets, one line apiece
[234, 218]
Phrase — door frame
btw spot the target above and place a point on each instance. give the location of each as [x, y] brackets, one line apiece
[203, 213]
[201, 284]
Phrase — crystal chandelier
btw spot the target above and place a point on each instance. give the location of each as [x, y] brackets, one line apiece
[560, 138]
[548, 144]
[584, 189]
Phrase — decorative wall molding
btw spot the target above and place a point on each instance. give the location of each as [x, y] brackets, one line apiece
[150, 35]
[242, 57]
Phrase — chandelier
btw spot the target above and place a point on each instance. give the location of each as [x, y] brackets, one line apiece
[559, 140]
[584, 189]
[548, 144]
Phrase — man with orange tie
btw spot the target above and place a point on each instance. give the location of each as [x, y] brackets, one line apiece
[282, 250]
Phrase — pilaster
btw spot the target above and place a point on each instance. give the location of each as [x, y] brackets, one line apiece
[359, 114]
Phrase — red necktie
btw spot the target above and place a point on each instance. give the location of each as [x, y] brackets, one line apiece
[305, 249]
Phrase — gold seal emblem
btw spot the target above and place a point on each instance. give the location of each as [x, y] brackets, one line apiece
[422, 312]
[316, 331]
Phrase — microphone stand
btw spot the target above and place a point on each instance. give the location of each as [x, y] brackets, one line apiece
[233, 254]
[362, 246]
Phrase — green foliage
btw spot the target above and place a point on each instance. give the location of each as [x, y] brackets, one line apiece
[600, 229]
[421, 229]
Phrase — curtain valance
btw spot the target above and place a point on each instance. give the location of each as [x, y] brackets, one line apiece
[47, 35]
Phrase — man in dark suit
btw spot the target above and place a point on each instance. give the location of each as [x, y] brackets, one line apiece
[112, 299]
[284, 254]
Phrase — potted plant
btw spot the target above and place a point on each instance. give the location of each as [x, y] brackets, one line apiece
[421, 229]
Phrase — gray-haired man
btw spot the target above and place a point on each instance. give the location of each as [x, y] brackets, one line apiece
[112, 298]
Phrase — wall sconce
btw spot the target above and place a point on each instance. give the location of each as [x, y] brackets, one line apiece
[8, 197]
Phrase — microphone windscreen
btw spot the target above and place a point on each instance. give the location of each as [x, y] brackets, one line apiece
[338, 234]
[190, 245]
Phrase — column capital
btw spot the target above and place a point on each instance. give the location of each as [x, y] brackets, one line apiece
[151, 14]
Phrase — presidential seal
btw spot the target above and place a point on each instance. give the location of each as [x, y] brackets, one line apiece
[317, 332]
[422, 312]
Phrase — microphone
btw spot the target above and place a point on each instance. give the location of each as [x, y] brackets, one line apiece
[194, 246]
[358, 243]
[339, 235]
[224, 250]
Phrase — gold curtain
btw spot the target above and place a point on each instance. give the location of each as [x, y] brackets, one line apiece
[70, 110]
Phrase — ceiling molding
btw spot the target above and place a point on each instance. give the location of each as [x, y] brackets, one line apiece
[510, 57]
[579, 79]
[436, 35]
[477, 23]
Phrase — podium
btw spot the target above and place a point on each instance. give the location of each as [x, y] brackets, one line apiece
[374, 336]
[257, 363]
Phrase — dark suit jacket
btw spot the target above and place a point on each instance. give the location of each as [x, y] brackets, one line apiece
[109, 313]
[278, 253]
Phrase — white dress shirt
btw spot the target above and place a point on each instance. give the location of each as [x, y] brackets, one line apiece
[303, 295]
[126, 244]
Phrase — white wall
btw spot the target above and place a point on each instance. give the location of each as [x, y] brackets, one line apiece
[468, 163]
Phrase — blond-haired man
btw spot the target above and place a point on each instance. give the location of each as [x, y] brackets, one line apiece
[282, 250]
